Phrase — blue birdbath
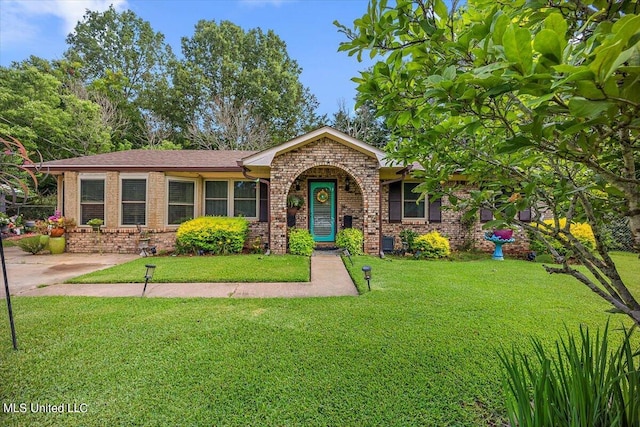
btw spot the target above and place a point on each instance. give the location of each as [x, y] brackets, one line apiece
[498, 241]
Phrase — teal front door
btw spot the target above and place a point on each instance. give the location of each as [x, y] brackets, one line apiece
[322, 222]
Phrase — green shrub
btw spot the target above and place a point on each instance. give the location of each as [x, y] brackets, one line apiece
[580, 230]
[351, 239]
[31, 244]
[216, 235]
[301, 242]
[432, 245]
[408, 237]
[578, 383]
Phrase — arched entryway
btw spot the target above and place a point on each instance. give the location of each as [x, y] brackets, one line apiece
[333, 200]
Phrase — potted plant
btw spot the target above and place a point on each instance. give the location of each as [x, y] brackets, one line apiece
[4, 222]
[58, 225]
[95, 223]
[294, 203]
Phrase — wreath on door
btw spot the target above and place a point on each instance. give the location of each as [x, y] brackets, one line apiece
[322, 196]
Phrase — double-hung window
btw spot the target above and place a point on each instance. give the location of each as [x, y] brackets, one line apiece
[134, 201]
[231, 198]
[405, 204]
[244, 199]
[181, 201]
[91, 199]
[216, 198]
[412, 208]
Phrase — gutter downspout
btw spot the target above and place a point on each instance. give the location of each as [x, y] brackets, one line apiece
[245, 173]
[404, 172]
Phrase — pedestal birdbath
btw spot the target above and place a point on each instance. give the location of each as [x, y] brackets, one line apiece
[499, 238]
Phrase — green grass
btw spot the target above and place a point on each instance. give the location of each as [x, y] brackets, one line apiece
[238, 268]
[419, 349]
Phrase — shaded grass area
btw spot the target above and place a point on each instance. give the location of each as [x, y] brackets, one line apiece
[232, 268]
[419, 349]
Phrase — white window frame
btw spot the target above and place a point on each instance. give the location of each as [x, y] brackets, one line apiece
[231, 196]
[146, 200]
[91, 177]
[425, 201]
[195, 201]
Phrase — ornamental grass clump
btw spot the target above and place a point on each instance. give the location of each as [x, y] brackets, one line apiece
[301, 242]
[215, 235]
[351, 239]
[32, 244]
[432, 246]
[581, 382]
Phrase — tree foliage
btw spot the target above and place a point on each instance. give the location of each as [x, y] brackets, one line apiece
[226, 69]
[536, 102]
[363, 125]
[36, 108]
[120, 56]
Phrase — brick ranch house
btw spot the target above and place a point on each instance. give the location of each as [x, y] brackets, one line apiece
[343, 181]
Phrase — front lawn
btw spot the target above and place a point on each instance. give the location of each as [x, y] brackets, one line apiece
[419, 349]
[231, 268]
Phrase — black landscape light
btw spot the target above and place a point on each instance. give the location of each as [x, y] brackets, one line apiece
[148, 275]
[367, 275]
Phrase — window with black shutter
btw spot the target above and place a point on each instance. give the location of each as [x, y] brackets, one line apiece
[395, 202]
[435, 210]
[485, 215]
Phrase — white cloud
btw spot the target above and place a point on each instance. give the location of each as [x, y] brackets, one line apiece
[18, 18]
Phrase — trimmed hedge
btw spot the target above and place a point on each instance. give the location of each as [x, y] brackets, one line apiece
[301, 242]
[432, 245]
[351, 239]
[216, 235]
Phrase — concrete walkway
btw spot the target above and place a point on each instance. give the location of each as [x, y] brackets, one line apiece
[329, 277]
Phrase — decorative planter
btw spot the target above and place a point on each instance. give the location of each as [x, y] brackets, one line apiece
[57, 245]
[56, 232]
[505, 234]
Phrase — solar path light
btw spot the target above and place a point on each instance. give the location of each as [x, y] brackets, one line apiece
[148, 275]
[367, 275]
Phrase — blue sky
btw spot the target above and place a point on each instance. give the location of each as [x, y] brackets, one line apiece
[39, 27]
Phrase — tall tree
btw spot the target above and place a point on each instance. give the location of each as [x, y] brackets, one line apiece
[363, 125]
[245, 72]
[537, 101]
[122, 57]
[36, 109]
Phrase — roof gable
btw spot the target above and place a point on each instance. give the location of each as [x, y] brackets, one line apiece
[265, 157]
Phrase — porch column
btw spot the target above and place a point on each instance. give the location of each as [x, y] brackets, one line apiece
[371, 218]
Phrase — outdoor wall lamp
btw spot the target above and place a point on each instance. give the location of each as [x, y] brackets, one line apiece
[367, 275]
[297, 184]
[347, 184]
[148, 275]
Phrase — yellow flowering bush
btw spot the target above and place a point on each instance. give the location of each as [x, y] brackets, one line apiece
[580, 230]
[432, 245]
[216, 235]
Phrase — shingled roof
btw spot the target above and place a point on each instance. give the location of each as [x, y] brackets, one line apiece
[155, 160]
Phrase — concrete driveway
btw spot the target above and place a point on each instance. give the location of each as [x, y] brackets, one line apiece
[26, 271]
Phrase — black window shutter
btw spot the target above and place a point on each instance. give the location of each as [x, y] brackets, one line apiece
[435, 210]
[395, 202]
[525, 215]
[264, 203]
[486, 215]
